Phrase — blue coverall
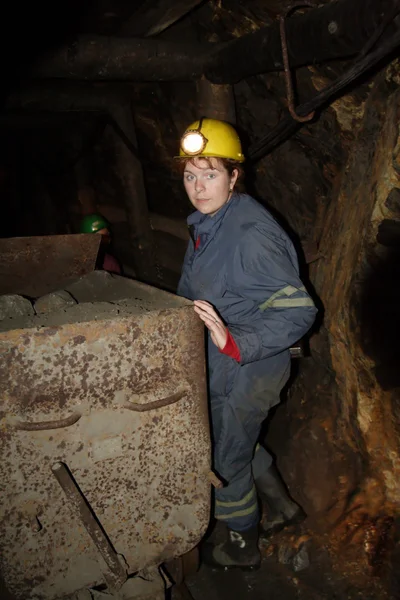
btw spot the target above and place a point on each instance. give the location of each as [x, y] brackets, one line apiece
[247, 268]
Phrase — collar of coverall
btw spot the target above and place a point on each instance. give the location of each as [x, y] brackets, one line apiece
[206, 223]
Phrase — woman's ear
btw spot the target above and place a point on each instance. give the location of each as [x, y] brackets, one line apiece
[234, 177]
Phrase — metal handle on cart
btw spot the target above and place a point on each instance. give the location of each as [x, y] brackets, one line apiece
[46, 425]
[156, 403]
[74, 418]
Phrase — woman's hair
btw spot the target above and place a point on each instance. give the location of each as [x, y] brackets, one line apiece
[228, 164]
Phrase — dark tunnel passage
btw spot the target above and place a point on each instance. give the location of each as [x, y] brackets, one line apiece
[380, 320]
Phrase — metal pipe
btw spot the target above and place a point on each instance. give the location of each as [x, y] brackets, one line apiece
[79, 505]
[288, 77]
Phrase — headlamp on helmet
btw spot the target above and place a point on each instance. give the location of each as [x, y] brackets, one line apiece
[193, 141]
[210, 138]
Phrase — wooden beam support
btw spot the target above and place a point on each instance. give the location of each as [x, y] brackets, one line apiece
[287, 126]
[154, 16]
[337, 30]
[129, 173]
[216, 101]
[113, 58]
[68, 96]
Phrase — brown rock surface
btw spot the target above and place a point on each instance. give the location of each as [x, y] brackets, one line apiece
[340, 456]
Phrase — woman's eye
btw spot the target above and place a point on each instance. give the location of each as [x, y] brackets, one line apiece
[189, 177]
[211, 176]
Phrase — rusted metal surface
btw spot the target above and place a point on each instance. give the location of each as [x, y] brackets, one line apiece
[47, 425]
[34, 266]
[156, 403]
[116, 575]
[144, 474]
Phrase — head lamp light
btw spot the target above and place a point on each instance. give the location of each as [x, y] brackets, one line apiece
[193, 141]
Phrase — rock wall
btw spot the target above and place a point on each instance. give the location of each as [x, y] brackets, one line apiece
[340, 452]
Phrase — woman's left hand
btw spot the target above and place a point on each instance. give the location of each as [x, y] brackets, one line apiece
[213, 322]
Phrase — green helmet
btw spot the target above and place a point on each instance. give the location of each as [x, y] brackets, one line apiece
[93, 223]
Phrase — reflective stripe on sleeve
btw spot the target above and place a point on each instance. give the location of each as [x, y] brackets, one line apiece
[280, 299]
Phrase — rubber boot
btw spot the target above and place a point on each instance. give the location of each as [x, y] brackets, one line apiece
[216, 533]
[281, 509]
[238, 551]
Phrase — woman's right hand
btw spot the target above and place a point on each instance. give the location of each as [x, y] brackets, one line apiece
[213, 322]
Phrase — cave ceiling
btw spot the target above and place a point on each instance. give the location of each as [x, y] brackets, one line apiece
[30, 30]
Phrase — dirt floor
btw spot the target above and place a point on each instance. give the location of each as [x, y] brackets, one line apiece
[296, 565]
[272, 581]
[277, 581]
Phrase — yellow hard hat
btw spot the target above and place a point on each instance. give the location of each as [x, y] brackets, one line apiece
[211, 138]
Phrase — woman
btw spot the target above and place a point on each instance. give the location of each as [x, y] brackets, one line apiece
[241, 270]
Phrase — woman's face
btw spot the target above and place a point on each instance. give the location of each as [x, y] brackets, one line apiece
[208, 187]
[105, 236]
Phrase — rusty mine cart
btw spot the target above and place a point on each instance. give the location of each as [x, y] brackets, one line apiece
[105, 445]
